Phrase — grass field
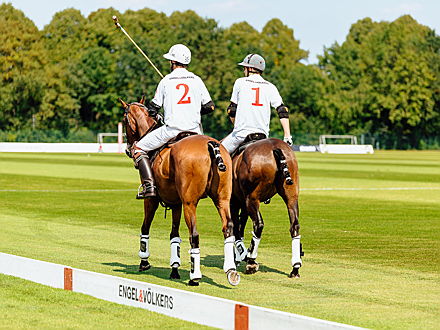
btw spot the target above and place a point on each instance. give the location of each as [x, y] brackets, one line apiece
[371, 240]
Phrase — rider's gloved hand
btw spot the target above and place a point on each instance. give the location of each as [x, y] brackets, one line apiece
[288, 140]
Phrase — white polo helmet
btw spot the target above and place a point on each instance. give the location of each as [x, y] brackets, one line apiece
[254, 61]
[179, 53]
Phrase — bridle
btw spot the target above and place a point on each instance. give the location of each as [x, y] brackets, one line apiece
[154, 122]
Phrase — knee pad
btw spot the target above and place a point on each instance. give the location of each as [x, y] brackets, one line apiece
[144, 252]
[175, 252]
[296, 252]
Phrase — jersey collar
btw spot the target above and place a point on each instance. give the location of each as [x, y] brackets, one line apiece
[179, 71]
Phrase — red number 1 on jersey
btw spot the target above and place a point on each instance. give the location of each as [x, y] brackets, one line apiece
[257, 97]
[188, 99]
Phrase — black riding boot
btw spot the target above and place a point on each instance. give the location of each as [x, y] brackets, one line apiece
[147, 188]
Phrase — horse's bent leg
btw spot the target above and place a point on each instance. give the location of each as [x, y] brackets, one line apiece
[241, 251]
[150, 207]
[253, 206]
[243, 220]
[239, 216]
[189, 210]
[291, 200]
[175, 242]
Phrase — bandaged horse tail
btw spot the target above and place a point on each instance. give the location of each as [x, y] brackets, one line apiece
[214, 148]
[282, 165]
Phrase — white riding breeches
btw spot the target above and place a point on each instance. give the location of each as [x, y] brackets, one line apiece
[233, 140]
[160, 136]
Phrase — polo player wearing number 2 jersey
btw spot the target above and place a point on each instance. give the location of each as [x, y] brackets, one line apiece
[184, 98]
[249, 110]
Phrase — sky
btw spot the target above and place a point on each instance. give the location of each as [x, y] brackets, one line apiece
[316, 23]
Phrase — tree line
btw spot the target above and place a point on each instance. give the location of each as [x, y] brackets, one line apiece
[63, 81]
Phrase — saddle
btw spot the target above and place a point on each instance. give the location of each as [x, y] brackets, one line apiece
[251, 138]
[153, 153]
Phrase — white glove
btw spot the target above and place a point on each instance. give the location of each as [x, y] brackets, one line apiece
[288, 140]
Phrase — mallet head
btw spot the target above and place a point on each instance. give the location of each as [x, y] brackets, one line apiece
[115, 19]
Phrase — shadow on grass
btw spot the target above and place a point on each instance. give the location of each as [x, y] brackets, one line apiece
[217, 262]
[162, 273]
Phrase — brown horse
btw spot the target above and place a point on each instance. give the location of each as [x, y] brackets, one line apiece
[264, 168]
[185, 172]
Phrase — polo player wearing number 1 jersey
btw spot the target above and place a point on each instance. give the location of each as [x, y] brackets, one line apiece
[184, 97]
[251, 101]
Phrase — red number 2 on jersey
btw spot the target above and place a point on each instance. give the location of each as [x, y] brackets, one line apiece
[188, 99]
[257, 97]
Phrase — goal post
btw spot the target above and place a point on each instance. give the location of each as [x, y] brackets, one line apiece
[120, 138]
[352, 138]
[352, 147]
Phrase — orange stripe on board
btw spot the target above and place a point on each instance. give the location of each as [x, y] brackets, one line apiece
[68, 278]
[241, 317]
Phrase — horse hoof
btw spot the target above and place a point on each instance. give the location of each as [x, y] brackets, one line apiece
[294, 273]
[233, 277]
[144, 265]
[193, 283]
[252, 267]
[175, 274]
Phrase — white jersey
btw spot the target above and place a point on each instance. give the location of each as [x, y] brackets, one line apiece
[254, 96]
[181, 94]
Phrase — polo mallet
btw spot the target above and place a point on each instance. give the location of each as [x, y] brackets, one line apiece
[115, 19]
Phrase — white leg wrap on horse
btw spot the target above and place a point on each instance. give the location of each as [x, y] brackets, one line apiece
[229, 254]
[240, 250]
[253, 249]
[175, 252]
[144, 252]
[195, 273]
[296, 252]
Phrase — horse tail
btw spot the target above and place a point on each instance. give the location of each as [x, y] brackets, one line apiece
[214, 148]
[282, 165]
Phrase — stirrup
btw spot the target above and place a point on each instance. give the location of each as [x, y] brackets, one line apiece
[146, 190]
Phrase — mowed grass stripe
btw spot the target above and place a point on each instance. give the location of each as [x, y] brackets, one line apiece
[25, 304]
[365, 250]
[94, 160]
[371, 174]
[37, 182]
[112, 173]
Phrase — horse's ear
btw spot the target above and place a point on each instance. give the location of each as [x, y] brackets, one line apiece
[142, 101]
[122, 102]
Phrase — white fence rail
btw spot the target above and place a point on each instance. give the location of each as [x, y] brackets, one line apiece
[185, 305]
[62, 147]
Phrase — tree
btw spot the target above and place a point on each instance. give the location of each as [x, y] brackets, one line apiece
[63, 39]
[382, 81]
[21, 86]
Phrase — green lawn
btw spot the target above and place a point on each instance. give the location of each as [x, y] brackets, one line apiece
[370, 228]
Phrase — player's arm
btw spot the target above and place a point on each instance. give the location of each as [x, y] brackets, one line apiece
[232, 109]
[207, 104]
[156, 103]
[283, 114]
